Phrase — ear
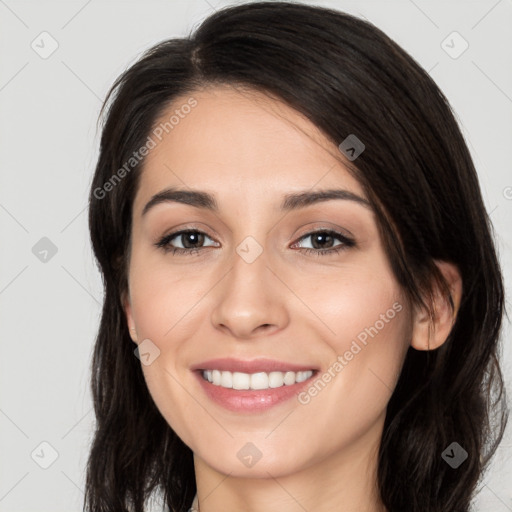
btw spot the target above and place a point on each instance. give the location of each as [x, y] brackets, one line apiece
[430, 333]
[127, 307]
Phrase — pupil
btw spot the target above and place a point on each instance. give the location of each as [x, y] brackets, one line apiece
[192, 235]
[321, 236]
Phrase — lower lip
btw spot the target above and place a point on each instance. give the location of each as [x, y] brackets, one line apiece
[250, 400]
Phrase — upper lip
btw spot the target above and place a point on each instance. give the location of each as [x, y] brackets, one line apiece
[251, 366]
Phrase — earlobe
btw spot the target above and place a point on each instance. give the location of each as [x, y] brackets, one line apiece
[430, 333]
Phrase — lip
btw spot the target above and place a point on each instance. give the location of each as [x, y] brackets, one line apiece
[250, 400]
[229, 364]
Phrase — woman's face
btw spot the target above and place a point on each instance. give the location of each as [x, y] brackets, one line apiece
[257, 290]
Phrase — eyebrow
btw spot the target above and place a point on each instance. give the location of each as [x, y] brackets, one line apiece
[295, 201]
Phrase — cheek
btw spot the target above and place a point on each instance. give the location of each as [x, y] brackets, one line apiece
[354, 301]
[360, 373]
[163, 298]
[163, 305]
[166, 307]
[365, 322]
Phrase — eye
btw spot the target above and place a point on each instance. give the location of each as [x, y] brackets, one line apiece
[189, 238]
[192, 238]
[324, 238]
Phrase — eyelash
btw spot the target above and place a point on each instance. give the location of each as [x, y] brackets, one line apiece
[347, 243]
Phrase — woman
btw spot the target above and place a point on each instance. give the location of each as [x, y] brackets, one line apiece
[234, 368]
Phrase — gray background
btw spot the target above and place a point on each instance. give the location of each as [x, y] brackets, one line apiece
[50, 303]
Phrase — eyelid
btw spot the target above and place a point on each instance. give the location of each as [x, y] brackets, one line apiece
[308, 228]
[192, 227]
[326, 226]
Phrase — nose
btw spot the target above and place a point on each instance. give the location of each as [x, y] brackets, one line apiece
[250, 300]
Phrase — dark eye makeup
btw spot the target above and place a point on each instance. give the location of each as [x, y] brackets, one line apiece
[322, 236]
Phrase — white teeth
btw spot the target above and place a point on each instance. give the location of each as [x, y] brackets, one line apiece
[301, 376]
[226, 380]
[260, 380]
[289, 378]
[241, 380]
[275, 379]
[215, 377]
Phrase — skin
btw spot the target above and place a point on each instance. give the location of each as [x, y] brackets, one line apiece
[249, 151]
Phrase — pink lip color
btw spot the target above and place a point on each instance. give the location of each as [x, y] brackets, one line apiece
[250, 400]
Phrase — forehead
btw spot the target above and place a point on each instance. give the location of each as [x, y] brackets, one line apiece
[240, 141]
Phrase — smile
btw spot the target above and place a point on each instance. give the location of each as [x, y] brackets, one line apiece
[252, 385]
[255, 381]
